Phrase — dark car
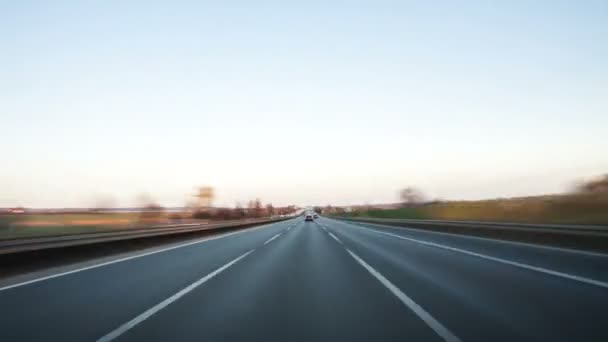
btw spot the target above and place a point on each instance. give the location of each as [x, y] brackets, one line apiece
[315, 216]
[308, 218]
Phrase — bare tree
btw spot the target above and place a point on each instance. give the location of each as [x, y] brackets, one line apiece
[239, 212]
[599, 185]
[255, 208]
[151, 211]
[410, 196]
[269, 209]
[258, 207]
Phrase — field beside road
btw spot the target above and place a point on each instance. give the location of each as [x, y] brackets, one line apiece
[26, 225]
[556, 209]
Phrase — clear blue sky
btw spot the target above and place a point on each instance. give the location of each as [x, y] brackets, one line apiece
[306, 102]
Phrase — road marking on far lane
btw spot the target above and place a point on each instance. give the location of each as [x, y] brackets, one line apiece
[146, 314]
[272, 238]
[335, 238]
[495, 259]
[417, 309]
[471, 237]
[322, 226]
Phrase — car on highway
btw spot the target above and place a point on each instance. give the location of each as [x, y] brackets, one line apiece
[308, 218]
[315, 216]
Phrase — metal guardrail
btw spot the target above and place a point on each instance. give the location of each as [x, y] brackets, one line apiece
[574, 236]
[67, 240]
[578, 229]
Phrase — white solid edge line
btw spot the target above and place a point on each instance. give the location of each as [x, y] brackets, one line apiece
[146, 314]
[499, 260]
[132, 257]
[335, 237]
[272, 238]
[417, 309]
[508, 242]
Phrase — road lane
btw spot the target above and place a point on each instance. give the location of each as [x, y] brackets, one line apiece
[85, 305]
[479, 299]
[583, 264]
[114, 334]
[325, 280]
[302, 286]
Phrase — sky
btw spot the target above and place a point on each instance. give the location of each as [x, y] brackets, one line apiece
[307, 102]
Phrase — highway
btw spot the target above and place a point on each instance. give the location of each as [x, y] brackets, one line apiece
[326, 280]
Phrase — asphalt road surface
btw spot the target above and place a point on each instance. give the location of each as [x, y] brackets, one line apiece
[326, 280]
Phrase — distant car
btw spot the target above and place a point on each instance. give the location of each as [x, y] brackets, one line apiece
[315, 216]
[308, 218]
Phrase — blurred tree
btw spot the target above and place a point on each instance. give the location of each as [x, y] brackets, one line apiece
[410, 196]
[104, 202]
[599, 185]
[151, 211]
[239, 212]
[223, 214]
[269, 209]
[255, 208]
[258, 208]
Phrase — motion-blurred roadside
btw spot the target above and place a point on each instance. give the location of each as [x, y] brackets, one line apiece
[587, 204]
[22, 222]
